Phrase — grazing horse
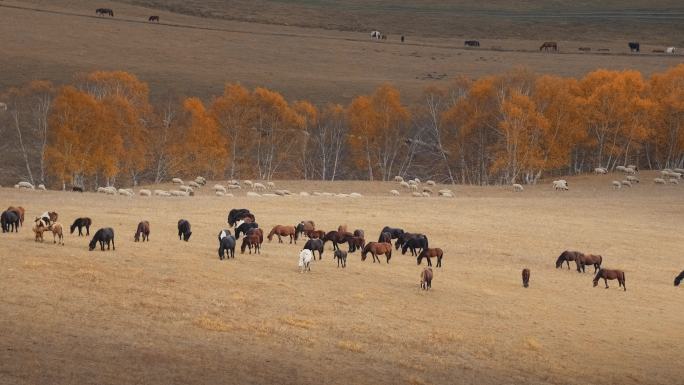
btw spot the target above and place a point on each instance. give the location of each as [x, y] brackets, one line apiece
[341, 257]
[104, 11]
[472, 43]
[304, 227]
[679, 278]
[144, 229]
[356, 243]
[566, 257]
[607, 274]
[305, 257]
[10, 221]
[20, 212]
[320, 234]
[227, 243]
[184, 232]
[426, 278]
[103, 236]
[251, 240]
[418, 242]
[429, 254]
[57, 232]
[80, 223]
[244, 228]
[526, 277]
[315, 245]
[77, 189]
[401, 239]
[336, 237]
[393, 231]
[633, 46]
[377, 248]
[588, 259]
[359, 233]
[283, 231]
[549, 46]
[385, 237]
[237, 214]
[153, 18]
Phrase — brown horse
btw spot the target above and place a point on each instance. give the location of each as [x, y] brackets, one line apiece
[304, 227]
[429, 254]
[144, 229]
[57, 233]
[426, 278]
[588, 259]
[549, 46]
[336, 237]
[607, 274]
[283, 231]
[526, 277]
[19, 211]
[342, 228]
[258, 232]
[566, 257]
[251, 240]
[315, 234]
[356, 243]
[377, 248]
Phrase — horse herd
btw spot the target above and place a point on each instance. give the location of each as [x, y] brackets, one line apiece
[110, 12]
[243, 223]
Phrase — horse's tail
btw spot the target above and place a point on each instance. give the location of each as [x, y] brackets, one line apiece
[426, 241]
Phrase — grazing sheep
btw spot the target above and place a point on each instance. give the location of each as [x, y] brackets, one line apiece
[412, 182]
[252, 194]
[679, 170]
[326, 194]
[632, 179]
[626, 183]
[186, 189]
[259, 187]
[305, 257]
[673, 181]
[270, 185]
[404, 184]
[633, 167]
[417, 180]
[219, 193]
[425, 194]
[42, 187]
[629, 170]
[617, 185]
[398, 179]
[234, 187]
[620, 168]
[304, 194]
[194, 184]
[446, 195]
[200, 180]
[145, 193]
[427, 190]
[248, 183]
[111, 190]
[342, 195]
[560, 184]
[676, 175]
[25, 185]
[177, 181]
[416, 194]
[125, 192]
[518, 187]
[394, 193]
[281, 193]
[600, 170]
[430, 183]
[178, 193]
[414, 187]
[269, 195]
[659, 181]
[355, 195]
[159, 192]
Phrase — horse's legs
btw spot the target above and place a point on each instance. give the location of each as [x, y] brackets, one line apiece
[429, 259]
[439, 261]
[606, 281]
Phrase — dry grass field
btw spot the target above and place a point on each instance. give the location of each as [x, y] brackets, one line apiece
[169, 312]
[195, 55]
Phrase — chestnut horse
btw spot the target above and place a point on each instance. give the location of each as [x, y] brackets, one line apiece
[429, 254]
[144, 229]
[588, 259]
[336, 237]
[315, 234]
[526, 277]
[377, 248]
[566, 257]
[283, 231]
[426, 278]
[356, 243]
[607, 274]
[251, 240]
[20, 213]
[305, 226]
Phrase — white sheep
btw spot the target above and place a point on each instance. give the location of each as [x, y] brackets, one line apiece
[626, 183]
[248, 183]
[445, 191]
[26, 185]
[279, 193]
[304, 194]
[416, 194]
[417, 180]
[679, 170]
[665, 173]
[425, 194]
[252, 194]
[659, 181]
[355, 195]
[125, 192]
[673, 181]
[194, 184]
[219, 193]
[270, 185]
[620, 168]
[259, 187]
[600, 170]
[234, 187]
[145, 193]
[221, 188]
[446, 194]
[157, 192]
[165, 194]
[269, 195]
[560, 184]
[200, 180]
[633, 167]
[676, 175]
[617, 185]
[629, 170]
[327, 194]
[42, 187]
[186, 189]
[177, 181]
[342, 195]
[398, 179]
[178, 193]
[287, 192]
[394, 193]
[430, 183]
[414, 187]
[404, 184]
[518, 187]
[110, 190]
[632, 179]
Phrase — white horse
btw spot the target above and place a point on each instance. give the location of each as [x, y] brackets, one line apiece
[305, 257]
[670, 50]
[376, 35]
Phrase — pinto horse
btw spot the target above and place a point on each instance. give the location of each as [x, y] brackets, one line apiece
[239, 214]
[244, 227]
[607, 274]
[283, 231]
[588, 259]
[377, 248]
[566, 257]
[429, 254]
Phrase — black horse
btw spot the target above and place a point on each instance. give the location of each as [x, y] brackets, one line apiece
[633, 46]
[393, 232]
[472, 43]
[80, 223]
[9, 221]
[184, 231]
[237, 214]
[244, 228]
[104, 11]
[418, 242]
[153, 18]
[401, 240]
[679, 278]
[315, 245]
[104, 236]
[227, 243]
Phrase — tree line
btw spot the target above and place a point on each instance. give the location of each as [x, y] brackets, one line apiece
[515, 127]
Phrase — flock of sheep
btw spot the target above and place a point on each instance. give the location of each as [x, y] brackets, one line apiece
[413, 185]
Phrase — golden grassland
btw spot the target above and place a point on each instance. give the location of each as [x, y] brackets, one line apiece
[170, 312]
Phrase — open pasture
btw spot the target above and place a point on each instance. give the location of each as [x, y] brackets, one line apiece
[168, 311]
